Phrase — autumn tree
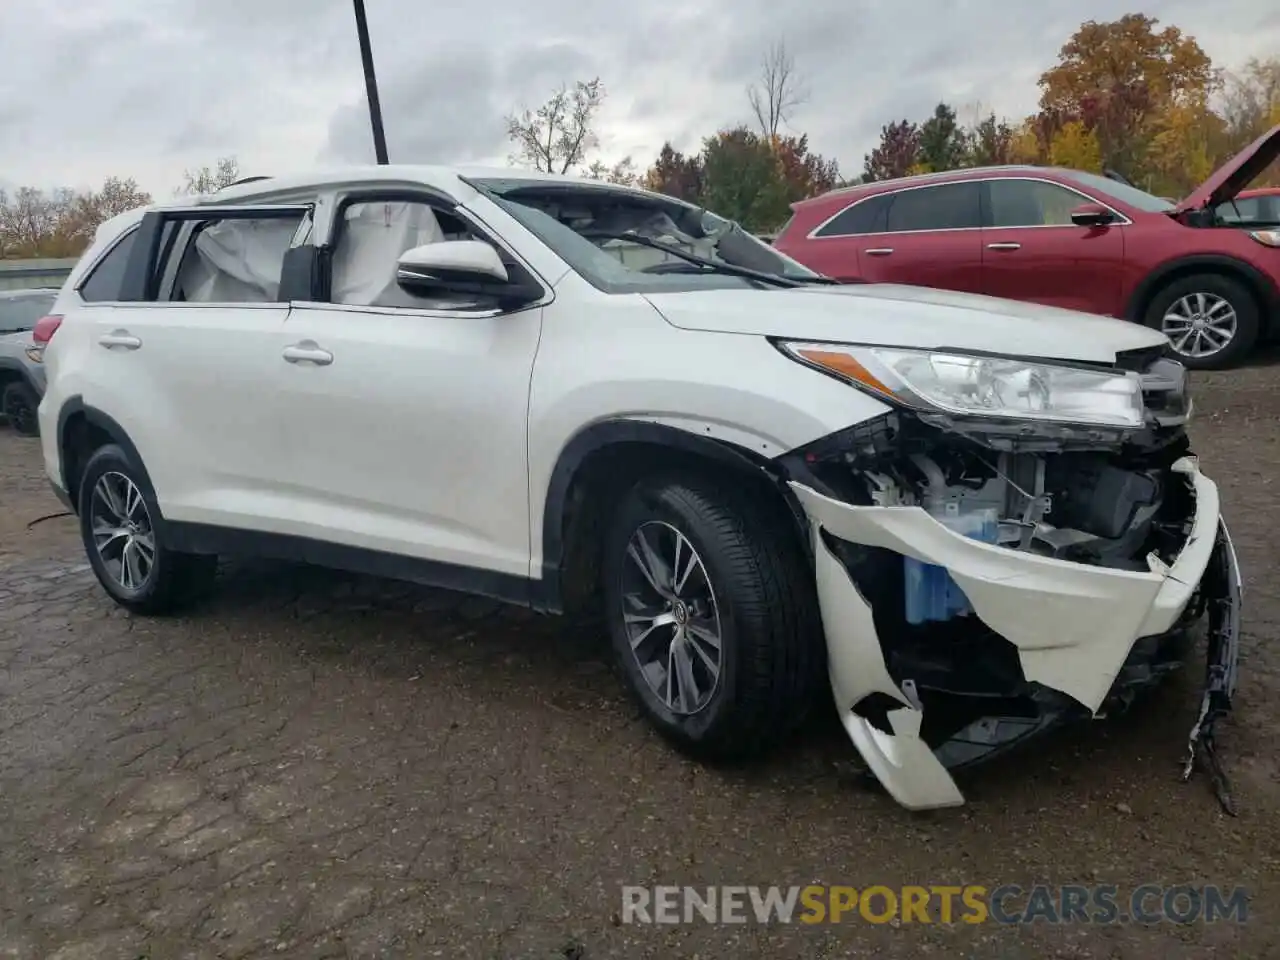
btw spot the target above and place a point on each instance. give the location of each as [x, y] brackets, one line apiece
[778, 92]
[623, 172]
[942, 141]
[61, 223]
[805, 174]
[895, 155]
[675, 175]
[1113, 77]
[223, 173]
[742, 180]
[1075, 146]
[1251, 107]
[990, 142]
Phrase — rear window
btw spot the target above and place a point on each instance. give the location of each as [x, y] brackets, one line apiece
[106, 280]
[19, 314]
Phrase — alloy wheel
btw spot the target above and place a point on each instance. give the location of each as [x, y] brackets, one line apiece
[122, 531]
[1200, 324]
[21, 415]
[671, 617]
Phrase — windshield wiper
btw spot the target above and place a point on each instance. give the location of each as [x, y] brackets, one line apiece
[715, 266]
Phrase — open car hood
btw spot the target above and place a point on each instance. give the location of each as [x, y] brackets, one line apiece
[904, 316]
[1234, 175]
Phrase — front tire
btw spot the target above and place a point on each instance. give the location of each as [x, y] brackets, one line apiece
[19, 404]
[1212, 320]
[123, 536]
[712, 615]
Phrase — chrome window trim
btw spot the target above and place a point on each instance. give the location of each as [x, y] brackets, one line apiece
[813, 234]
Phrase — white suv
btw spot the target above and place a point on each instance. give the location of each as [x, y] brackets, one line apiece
[978, 518]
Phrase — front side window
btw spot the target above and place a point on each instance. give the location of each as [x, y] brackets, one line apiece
[629, 241]
[1257, 210]
[947, 206]
[1114, 189]
[371, 237]
[1031, 203]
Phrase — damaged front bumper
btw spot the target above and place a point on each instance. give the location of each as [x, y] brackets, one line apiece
[1078, 632]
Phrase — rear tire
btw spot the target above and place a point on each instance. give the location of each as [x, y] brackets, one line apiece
[1222, 305]
[19, 404]
[124, 537]
[729, 565]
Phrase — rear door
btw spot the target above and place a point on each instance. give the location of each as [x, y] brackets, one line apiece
[927, 236]
[185, 353]
[1032, 251]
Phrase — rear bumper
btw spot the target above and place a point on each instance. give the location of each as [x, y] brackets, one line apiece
[1074, 626]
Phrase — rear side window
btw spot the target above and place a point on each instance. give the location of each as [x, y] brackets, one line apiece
[948, 206]
[106, 280]
[865, 216]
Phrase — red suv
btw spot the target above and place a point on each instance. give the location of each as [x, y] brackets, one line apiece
[1198, 270]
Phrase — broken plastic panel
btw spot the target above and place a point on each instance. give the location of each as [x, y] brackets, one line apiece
[931, 592]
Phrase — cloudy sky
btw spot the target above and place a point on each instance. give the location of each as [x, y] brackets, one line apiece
[147, 88]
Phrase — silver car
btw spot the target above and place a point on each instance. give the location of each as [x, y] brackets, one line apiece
[22, 376]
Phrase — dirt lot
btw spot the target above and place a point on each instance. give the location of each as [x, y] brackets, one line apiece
[316, 765]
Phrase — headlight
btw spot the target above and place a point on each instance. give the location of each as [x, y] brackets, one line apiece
[1270, 238]
[982, 386]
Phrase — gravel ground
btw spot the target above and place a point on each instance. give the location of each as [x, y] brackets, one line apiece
[317, 765]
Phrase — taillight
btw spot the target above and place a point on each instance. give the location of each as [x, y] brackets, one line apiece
[45, 328]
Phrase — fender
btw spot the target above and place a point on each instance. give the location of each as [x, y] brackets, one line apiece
[75, 405]
[1258, 280]
[609, 432]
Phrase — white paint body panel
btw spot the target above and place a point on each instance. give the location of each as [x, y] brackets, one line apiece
[900, 316]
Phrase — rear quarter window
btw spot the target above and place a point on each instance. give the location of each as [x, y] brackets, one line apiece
[868, 215]
[105, 281]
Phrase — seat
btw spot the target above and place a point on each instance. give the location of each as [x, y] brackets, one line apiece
[236, 261]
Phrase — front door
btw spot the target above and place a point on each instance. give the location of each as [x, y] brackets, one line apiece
[1032, 251]
[402, 422]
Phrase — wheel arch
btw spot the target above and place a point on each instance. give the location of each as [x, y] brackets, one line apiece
[82, 429]
[601, 462]
[1262, 287]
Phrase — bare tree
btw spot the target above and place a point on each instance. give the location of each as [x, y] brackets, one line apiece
[207, 180]
[778, 91]
[557, 136]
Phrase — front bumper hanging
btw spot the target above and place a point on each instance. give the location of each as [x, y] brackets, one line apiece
[1074, 626]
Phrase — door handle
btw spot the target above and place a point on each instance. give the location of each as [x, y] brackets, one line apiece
[119, 338]
[878, 251]
[308, 351]
[1004, 246]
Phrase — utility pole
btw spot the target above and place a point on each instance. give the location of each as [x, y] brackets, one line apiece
[371, 85]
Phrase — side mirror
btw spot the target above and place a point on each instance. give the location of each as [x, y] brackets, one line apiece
[448, 263]
[1092, 215]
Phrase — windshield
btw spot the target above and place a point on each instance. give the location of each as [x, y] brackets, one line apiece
[587, 226]
[19, 314]
[1138, 199]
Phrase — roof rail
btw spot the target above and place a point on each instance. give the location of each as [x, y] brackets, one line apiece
[243, 180]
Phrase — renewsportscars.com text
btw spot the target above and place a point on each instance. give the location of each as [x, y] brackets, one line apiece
[970, 904]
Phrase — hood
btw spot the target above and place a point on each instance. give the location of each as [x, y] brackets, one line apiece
[902, 316]
[1234, 175]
